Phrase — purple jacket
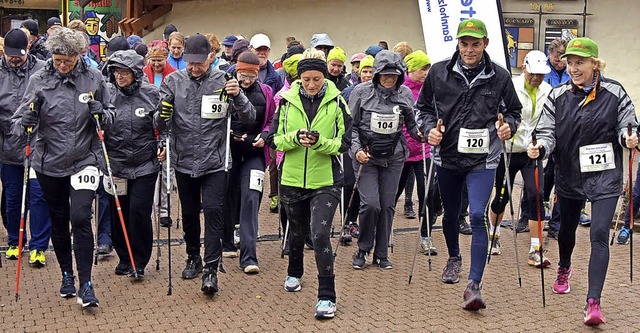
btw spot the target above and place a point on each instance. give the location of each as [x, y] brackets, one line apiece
[269, 112]
[415, 147]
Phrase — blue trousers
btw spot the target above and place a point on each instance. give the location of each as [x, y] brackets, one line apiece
[104, 215]
[39, 221]
[479, 186]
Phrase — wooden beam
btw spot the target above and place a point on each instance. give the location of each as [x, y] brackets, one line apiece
[148, 3]
[137, 25]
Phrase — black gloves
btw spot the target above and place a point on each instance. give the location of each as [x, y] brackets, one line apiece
[29, 119]
[96, 109]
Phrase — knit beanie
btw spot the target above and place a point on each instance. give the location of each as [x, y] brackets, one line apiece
[337, 54]
[416, 60]
[239, 46]
[366, 62]
[248, 62]
[312, 64]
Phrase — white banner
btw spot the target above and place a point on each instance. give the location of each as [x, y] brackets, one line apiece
[440, 19]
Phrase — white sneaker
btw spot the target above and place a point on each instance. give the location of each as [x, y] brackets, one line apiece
[325, 309]
[292, 284]
[230, 254]
[252, 269]
[495, 249]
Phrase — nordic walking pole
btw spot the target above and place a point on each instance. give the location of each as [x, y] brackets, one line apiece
[629, 130]
[619, 205]
[115, 192]
[534, 141]
[168, 157]
[95, 229]
[159, 191]
[515, 233]
[23, 207]
[355, 188]
[426, 207]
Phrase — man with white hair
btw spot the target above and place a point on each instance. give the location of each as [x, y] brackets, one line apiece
[260, 44]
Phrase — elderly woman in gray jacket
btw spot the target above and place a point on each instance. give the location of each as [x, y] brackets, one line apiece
[61, 104]
[380, 108]
[132, 147]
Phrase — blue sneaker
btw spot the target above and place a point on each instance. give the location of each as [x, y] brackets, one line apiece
[623, 237]
[68, 287]
[87, 297]
[585, 219]
[325, 309]
[292, 284]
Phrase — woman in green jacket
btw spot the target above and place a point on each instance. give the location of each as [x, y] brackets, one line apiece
[312, 127]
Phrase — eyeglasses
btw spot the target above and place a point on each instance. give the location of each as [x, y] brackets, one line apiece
[122, 73]
[244, 77]
[65, 62]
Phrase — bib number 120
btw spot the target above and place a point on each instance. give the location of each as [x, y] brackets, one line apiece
[475, 143]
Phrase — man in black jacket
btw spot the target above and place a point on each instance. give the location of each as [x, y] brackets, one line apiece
[468, 92]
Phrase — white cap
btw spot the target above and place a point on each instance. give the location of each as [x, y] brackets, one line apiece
[536, 62]
[259, 40]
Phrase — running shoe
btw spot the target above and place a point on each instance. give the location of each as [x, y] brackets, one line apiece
[273, 204]
[68, 288]
[37, 258]
[360, 260]
[472, 299]
[209, 281]
[426, 246]
[325, 309]
[585, 219]
[193, 267]
[292, 284]
[561, 285]
[87, 297]
[451, 272]
[535, 260]
[495, 249]
[12, 253]
[383, 263]
[623, 237]
[592, 314]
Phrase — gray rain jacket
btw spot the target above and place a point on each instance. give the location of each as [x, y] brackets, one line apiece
[371, 100]
[130, 139]
[13, 82]
[65, 137]
[198, 144]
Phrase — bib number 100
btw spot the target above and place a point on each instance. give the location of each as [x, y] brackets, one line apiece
[87, 179]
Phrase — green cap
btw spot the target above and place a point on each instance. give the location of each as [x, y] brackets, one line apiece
[582, 47]
[366, 62]
[416, 60]
[472, 28]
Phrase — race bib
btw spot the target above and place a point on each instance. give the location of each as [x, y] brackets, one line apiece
[597, 157]
[87, 179]
[32, 173]
[473, 141]
[383, 123]
[121, 185]
[256, 180]
[212, 107]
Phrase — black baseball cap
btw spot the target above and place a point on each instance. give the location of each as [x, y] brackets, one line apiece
[16, 43]
[168, 30]
[32, 26]
[53, 21]
[118, 43]
[196, 49]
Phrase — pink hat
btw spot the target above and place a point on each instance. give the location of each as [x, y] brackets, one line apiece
[357, 57]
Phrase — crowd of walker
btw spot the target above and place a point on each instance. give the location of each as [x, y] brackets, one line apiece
[213, 117]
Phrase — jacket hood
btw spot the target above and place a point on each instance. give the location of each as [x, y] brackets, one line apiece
[321, 39]
[127, 59]
[389, 61]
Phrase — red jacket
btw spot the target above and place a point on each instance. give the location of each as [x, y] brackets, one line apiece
[148, 71]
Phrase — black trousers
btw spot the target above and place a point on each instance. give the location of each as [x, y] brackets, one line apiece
[136, 205]
[67, 204]
[209, 192]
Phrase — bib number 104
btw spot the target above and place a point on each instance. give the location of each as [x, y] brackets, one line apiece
[385, 124]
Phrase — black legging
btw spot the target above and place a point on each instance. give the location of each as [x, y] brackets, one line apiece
[519, 162]
[602, 211]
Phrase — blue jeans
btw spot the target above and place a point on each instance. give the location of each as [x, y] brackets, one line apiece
[39, 222]
[479, 186]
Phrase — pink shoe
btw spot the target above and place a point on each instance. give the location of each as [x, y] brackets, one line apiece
[592, 314]
[561, 285]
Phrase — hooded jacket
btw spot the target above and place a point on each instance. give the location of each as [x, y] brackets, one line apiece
[448, 95]
[573, 118]
[198, 145]
[370, 102]
[319, 165]
[530, 117]
[130, 139]
[13, 82]
[65, 136]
